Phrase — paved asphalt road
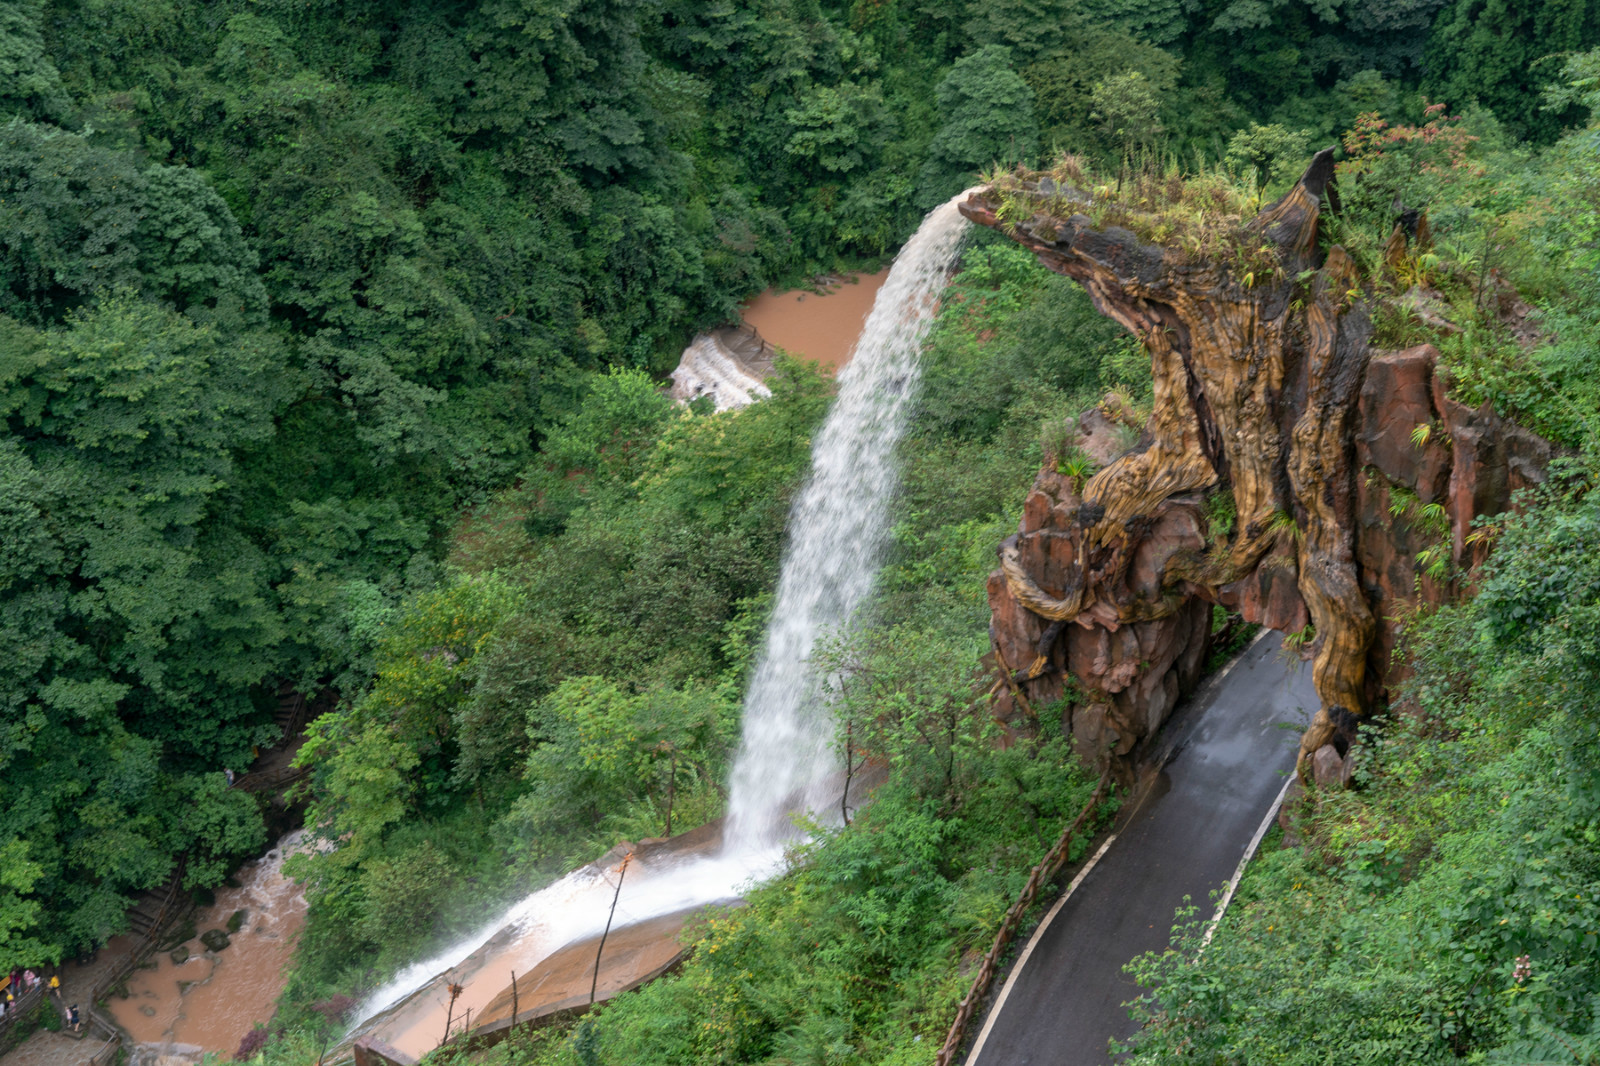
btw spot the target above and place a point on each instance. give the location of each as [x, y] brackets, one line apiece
[1187, 837]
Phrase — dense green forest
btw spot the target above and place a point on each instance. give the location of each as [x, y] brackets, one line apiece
[330, 345]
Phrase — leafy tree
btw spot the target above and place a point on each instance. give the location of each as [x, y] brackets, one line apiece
[839, 128]
[604, 748]
[1128, 113]
[1270, 153]
[987, 113]
[1064, 81]
[1496, 53]
[138, 621]
[31, 85]
[221, 823]
[1029, 29]
[376, 760]
[606, 437]
[20, 915]
[82, 221]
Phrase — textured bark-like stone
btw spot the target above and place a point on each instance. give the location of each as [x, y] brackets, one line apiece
[1266, 386]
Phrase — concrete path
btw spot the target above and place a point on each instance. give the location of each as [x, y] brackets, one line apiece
[1186, 837]
[45, 1048]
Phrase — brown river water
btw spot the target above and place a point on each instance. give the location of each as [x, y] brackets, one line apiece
[821, 327]
[211, 1001]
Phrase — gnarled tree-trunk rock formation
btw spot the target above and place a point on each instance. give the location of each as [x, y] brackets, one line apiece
[1265, 386]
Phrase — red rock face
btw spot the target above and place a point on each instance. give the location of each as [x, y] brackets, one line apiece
[1269, 595]
[1125, 677]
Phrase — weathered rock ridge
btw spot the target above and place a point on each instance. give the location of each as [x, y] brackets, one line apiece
[1267, 389]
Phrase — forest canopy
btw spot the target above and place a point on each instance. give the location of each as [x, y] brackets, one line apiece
[285, 288]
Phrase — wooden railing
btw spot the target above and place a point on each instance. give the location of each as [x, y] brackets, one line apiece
[130, 962]
[20, 1007]
[95, 1023]
[1048, 867]
[108, 1051]
[270, 780]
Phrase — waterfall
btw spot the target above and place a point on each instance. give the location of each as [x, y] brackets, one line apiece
[837, 531]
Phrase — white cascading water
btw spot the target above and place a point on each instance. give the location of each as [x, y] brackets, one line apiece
[708, 369]
[836, 532]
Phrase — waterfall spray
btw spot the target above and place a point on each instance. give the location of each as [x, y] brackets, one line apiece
[837, 530]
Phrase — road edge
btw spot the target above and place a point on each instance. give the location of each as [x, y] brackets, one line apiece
[1238, 871]
[1143, 793]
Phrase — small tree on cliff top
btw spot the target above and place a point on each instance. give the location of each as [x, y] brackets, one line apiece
[1270, 152]
[1127, 111]
[988, 118]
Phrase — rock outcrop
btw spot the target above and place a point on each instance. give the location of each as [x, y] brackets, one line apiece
[726, 365]
[1269, 405]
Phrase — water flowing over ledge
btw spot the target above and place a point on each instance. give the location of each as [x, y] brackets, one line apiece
[836, 534]
[786, 764]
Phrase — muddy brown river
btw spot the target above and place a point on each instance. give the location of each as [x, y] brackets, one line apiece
[211, 1001]
[822, 327]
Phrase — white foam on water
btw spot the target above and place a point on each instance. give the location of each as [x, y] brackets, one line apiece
[837, 530]
[706, 369]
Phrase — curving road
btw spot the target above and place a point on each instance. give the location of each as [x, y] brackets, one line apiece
[1230, 754]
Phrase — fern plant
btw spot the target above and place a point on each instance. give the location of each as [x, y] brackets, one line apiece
[1077, 466]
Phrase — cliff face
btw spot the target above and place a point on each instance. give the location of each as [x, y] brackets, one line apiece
[1266, 389]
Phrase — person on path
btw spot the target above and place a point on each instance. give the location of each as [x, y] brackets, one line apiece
[55, 985]
[73, 1019]
[30, 980]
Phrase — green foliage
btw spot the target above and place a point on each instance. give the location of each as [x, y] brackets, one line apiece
[1222, 514]
[1498, 54]
[856, 954]
[838, 128]
[32, 86]
[138, 619]
[560, 690]
[18, 914]
[375, 758]
[1127, 112]
[82, 221]
[987, 112]
[222, 825]
[286, 288]
[1271, 153]
[1468, 847]
[603, 752]
[604, 438]
[1063, 80]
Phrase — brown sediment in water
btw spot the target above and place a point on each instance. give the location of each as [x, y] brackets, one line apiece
[554, 951]
[212, 1000]
[823, 326]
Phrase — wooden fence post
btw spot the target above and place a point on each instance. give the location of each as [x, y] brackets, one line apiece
[1048, 867]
